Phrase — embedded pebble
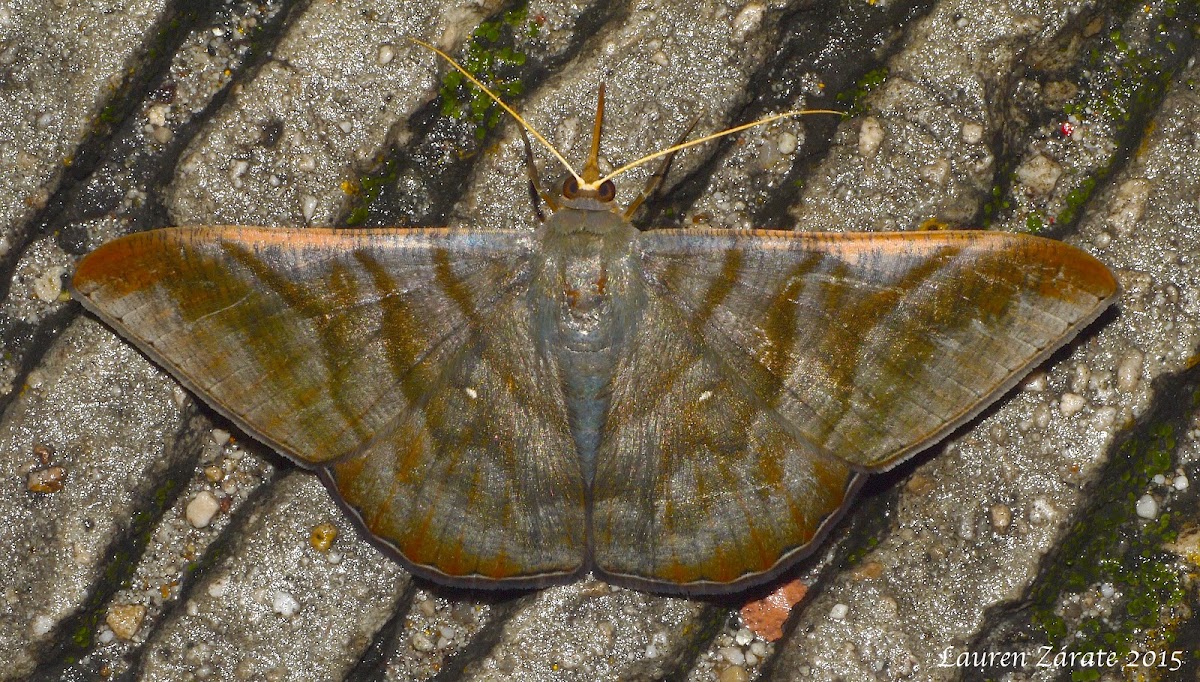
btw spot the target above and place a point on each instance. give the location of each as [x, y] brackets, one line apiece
[219, 587]
[219, 436]
[201, 510]
[1147, 507]
[48, 285]
[748, 20]
[285, 604]
[1039, 174]
[308, 206]
[1001, 517]
[386, 54]
[732, 654]
[1071, 404]
[743, 637]
[1180, 482]
[421, 642]
[1129, 371]
[41, 625]
[48, 480]
[1040, 511]
[734, 673]
[972, 133]
[787, 144]
[839, 611]
[870, 136]
[125, 619]
[322, 536]
[936, 173]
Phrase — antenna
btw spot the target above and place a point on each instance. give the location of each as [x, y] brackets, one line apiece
[591, 168]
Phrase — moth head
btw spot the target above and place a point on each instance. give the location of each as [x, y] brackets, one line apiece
[604, 192]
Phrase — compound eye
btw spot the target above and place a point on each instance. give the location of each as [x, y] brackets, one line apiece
[570, 188]
[607, 192]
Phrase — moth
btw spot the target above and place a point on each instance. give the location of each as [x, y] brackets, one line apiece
[679, 410]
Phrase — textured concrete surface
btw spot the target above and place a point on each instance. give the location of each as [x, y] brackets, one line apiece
[171, 552]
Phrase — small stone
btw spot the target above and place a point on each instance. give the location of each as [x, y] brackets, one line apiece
[1071, 404]
[307, 163]
[201, 510]
[660, 58]
[1039, 174]
[48, 480]
[787, 144]
[734, 673]
[421, 642]
[323, 535]
[839, 611]
[870, 137]
[747, 21]
[284, 604]
[308, 206]
[936, 173]
[219, 436]
[972, 133]
[219, 587]
[1001, 517]
[732, 654]
[1041, 511]
[41, 625]
[1147, 507]
[125, 619]
[743, 637]
[48, 286]
[1180, 482]
[385, 54]
[1129, 371]
[214, 473]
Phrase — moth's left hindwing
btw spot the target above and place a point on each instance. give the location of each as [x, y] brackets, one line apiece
[401, 359]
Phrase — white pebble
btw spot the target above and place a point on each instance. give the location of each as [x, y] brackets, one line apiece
[385, 54]
[41, 625]
[1129, 371]
[787, 144]
[839, 611]
[1071, 404]
[743, 637]
[285, 604]
[972, 133]
[308, 206]
[421, 642]
[1147, 507]
[201, 510]
[219, 436]
[870, 136]
[1181, 482]
[48, 286]
[1001, 517]
[219, 587]
[732, 654]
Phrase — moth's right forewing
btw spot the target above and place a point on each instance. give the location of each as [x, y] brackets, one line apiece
[381, 353]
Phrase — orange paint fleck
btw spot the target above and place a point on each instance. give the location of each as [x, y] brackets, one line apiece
[766, 616]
